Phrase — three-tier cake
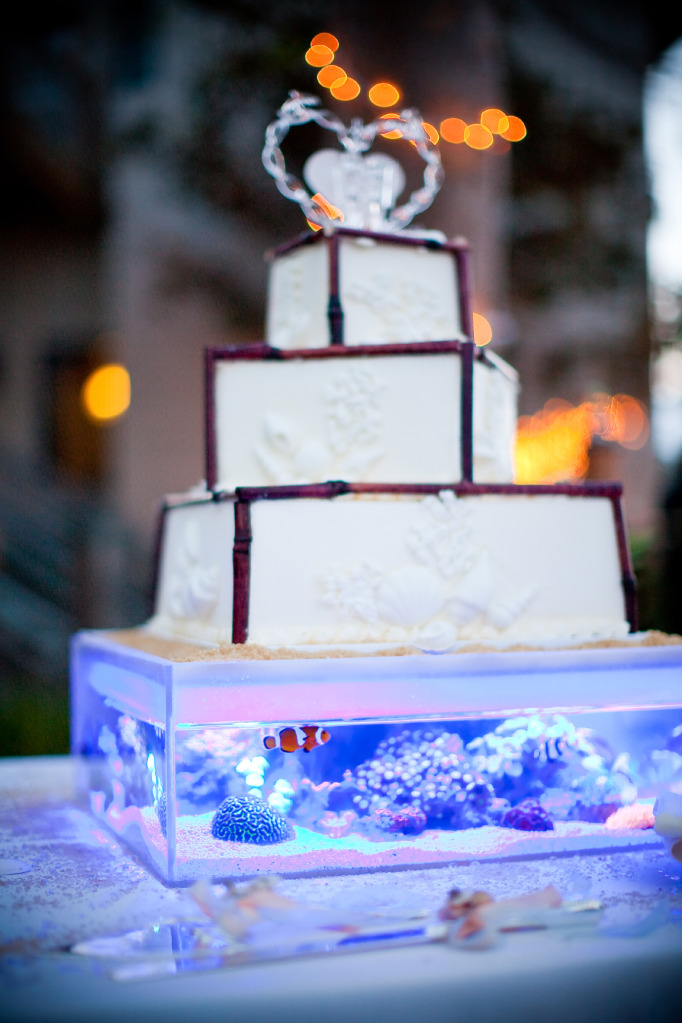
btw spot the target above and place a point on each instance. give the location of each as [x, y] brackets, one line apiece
[359, 561]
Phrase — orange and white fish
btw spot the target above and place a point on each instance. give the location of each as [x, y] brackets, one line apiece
[296, 737]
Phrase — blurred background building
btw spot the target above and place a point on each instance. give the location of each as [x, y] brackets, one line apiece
[134, 217]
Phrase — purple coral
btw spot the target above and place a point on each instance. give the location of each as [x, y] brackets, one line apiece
[528, 815]
[403, 820]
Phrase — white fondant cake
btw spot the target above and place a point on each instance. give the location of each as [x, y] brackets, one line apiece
[373, 415]
[381, 289]
[369, 377]
[432, 570]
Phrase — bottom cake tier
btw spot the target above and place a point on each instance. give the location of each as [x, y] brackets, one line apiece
[243, 761]
[426, 565]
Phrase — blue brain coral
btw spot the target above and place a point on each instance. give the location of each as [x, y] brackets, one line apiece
[249, 819]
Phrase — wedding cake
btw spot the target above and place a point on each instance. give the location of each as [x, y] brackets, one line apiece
[365, 634]
[359, 469]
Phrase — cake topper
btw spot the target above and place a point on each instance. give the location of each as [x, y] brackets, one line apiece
[360, 190]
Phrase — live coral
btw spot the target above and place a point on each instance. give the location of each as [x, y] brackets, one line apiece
[636, 817]
[249, 819]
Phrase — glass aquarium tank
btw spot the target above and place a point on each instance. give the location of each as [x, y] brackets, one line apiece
[231, 769]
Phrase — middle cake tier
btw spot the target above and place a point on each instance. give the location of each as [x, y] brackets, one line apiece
[427, 565]
[413, 412]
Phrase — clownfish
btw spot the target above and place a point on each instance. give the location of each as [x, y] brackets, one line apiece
[296, 737]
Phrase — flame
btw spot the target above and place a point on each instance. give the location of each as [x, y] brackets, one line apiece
[554, 443]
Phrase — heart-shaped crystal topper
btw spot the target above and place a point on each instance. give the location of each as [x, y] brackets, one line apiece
[362, 189]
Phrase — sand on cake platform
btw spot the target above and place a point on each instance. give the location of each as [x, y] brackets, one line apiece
[182, 651]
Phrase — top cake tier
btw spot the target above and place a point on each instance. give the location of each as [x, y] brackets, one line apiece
[368, 373]
[356, 287]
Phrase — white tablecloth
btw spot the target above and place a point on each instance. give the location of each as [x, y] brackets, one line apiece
[77, 883]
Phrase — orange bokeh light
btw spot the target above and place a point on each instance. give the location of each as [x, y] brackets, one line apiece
[623, 419]
[494, 120]
[318, 56]
[330, 74]
[483, 332]
[431, 131]
[477, 136]
[332, 211]
[396, 133]
[554, 444]
[383, 94]
[325, 39]
[345, 90]
[105, 394]
[515, 131]
[452, 129]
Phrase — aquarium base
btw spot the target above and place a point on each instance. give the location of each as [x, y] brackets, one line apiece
[137, 718]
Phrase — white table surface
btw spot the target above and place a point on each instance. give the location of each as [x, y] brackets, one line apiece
[80, 884]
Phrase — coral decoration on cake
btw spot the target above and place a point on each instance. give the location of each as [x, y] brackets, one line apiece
[414, 310]
[437, 598]
[352, 188]
[353, 421]
[195, 586]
